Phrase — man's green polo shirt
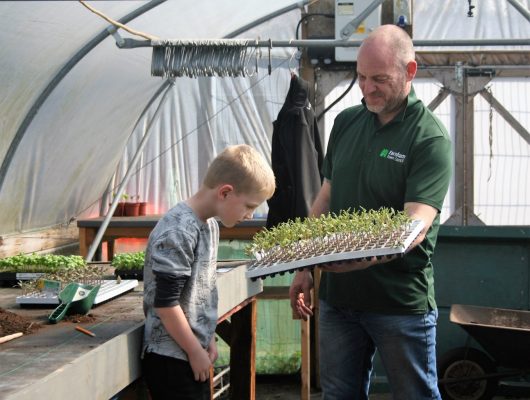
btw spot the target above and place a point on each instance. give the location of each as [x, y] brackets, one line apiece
[373, 166]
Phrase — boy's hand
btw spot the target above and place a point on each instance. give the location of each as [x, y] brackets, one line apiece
[212, 350]
[200, 364]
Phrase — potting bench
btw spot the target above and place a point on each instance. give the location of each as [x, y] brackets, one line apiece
[59, 362]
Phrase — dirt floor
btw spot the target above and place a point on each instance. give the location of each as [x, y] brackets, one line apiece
[287, 387]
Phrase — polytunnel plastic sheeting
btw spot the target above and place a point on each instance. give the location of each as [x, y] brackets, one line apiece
[190, 135]
[448, 20]
[216, 113]
[37, 38]
[69, 150]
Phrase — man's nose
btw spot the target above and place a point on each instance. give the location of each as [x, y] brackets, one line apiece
[369, 86]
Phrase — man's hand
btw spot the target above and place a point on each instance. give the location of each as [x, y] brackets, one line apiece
[300, 294]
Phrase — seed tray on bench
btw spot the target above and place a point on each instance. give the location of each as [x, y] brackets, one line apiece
[108, 290]
[8, 279]
[330, 249]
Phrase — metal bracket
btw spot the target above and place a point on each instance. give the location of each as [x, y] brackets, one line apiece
[117, 37]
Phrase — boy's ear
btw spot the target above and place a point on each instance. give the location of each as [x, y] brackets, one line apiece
[224, 190]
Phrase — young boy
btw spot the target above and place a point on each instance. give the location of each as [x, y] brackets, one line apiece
[180, 293]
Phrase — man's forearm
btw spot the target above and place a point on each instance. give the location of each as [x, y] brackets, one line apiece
[321, 204]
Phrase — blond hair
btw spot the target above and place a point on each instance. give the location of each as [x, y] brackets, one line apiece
[242, 167]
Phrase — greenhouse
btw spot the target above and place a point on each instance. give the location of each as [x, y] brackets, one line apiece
[112, 113]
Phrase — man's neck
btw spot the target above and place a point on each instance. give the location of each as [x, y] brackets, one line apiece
[385, 118]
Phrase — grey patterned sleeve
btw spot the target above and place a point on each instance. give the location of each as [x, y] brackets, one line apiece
[173, 253]
[172, 258]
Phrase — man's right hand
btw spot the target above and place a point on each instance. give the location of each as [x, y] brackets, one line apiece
[300, 294]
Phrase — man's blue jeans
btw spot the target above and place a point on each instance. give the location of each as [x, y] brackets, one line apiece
[406, 344]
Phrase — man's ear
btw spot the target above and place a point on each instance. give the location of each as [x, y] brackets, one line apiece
[412, 68]
[224, 190]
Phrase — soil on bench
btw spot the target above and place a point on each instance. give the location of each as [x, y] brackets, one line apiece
[13, 323]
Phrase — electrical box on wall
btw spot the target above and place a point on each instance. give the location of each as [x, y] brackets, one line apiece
[345, 12]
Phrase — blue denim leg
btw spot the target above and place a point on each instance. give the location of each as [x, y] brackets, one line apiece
[346, 354]
[407, 347]
[406, 344]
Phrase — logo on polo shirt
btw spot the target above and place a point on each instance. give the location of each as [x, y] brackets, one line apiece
[392, 155]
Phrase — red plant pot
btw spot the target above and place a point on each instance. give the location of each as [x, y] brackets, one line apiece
[120, 210]
[132, 209]
[143, 208]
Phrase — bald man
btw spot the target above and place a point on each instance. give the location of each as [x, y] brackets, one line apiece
[389, 151]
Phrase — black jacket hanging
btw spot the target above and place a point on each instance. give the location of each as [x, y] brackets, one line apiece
[296, 156]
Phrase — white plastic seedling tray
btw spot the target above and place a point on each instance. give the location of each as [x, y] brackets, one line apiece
[331, 249]
[108, 290]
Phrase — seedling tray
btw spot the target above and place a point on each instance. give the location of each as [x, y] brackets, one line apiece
[108, 290]
[130, 274]
[331, 249]
[9, 279]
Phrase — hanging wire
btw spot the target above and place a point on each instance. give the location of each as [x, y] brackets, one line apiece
[200, 58]
[319, 117]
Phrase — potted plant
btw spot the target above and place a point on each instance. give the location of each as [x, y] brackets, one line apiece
[120, 207]
[132, 208]
[129, 265]
[143, 208]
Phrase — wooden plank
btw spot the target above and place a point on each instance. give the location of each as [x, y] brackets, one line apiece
[274, 293]
[243, 353]
[315, 359]
[86, 236]
[38, 241]
[224, 330]
[306, 359]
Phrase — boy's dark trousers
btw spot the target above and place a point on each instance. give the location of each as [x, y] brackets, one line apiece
[169, 378]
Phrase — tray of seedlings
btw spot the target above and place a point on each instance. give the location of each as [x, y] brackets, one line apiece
[26, 267]
[331, 238]
[129, 265]
[44, 291]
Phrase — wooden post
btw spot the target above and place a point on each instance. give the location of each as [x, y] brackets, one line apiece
[305, 339]
[243, 353]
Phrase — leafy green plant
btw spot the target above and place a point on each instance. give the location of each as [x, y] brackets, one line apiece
[44, 263]
[125, 197]
[129, 261]
[351, 230]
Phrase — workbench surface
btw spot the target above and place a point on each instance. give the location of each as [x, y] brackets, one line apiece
[59, 362]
